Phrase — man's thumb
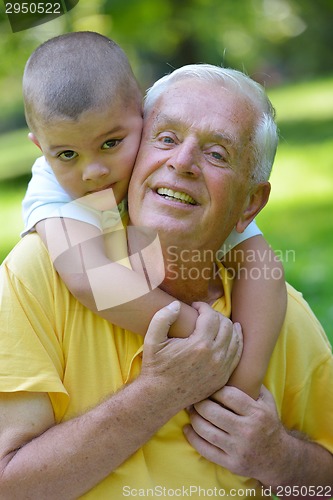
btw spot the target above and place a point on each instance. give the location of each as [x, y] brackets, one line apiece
[160, 324]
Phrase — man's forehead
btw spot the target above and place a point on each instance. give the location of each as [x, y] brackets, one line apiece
[178, 121]
[208, 123]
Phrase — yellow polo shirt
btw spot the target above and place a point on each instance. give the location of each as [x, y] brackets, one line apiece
[51, 343]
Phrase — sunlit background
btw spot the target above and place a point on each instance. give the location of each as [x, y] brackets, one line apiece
[285, 44]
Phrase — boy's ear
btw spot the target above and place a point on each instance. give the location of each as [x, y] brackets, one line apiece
[257, 199]
[34, 139]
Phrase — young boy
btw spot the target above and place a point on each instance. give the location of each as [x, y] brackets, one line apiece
[83, 107]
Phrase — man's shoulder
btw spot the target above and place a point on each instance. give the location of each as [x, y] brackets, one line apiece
[301, 320]
[302, 346]
[28, 256]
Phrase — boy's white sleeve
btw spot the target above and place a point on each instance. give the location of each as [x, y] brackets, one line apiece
[45, 198]
[236, 238]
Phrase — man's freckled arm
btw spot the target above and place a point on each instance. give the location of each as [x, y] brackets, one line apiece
[66, 460]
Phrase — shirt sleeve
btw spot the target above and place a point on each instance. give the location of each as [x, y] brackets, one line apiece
[45, 198]
[236, 238]
[31, 357]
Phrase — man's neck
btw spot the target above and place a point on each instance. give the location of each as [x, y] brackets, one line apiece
[191, 274]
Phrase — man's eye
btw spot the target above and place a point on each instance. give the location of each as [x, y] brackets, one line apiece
[112, 143]
[216, 155]
[67, 155]
[167, 140]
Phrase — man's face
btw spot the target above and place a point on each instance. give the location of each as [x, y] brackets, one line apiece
[191, 177]
[95, 152]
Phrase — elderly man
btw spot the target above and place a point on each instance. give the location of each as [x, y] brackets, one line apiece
[97, 414]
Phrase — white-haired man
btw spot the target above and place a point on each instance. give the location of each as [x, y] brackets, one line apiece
[110, 423]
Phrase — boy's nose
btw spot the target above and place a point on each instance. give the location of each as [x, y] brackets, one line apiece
[94, 171]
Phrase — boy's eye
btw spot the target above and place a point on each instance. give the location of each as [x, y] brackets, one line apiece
[67, 155]
[112, 143]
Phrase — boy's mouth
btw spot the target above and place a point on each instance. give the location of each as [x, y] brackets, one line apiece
[103, 188]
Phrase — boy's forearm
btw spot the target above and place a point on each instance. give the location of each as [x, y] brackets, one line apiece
[136, 314]
[120, 295]
[260, 308]
[258, 303]
[123, 297]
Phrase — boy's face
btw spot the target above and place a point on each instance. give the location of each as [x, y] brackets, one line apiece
[95, 152]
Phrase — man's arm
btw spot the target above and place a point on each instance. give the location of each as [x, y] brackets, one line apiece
[42, 460]
[247, 437]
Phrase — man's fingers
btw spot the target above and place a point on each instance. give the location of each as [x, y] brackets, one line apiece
[236, 343]
[234, 399]
[160, 324]
[204, 448]
[209, 321]
[266, 397]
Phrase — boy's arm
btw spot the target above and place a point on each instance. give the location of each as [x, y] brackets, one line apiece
[258, 303]
[128, 300]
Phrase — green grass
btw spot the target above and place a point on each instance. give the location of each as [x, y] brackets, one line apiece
[298, 221]
[17, 155]
[11, 194]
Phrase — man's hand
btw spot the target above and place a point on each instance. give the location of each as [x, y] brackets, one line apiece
[191, 369]
[235, 431]
[246, 436]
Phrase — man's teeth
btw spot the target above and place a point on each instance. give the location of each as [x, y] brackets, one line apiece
[170, 194]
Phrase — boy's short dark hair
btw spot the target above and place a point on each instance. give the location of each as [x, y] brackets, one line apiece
[72, 73]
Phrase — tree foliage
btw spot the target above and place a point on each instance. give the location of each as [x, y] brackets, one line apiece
[272, 40]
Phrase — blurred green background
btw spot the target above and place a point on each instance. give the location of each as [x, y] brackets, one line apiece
[284, 44]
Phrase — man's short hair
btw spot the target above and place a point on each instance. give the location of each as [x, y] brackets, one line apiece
[72, 73]
[265, 139]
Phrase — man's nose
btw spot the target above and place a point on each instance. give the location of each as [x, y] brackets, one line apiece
[93, 171]
[185, 159]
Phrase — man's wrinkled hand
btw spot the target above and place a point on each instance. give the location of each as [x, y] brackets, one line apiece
[191, 369]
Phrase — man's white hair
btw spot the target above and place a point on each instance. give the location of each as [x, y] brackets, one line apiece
[265, 138]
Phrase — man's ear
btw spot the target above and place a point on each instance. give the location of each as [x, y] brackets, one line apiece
[257, 199]
[34, 139]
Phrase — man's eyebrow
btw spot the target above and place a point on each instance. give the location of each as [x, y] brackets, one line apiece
[221, 137]
[163, 119]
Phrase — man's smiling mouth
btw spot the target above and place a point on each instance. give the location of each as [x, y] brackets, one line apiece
[170, 194]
